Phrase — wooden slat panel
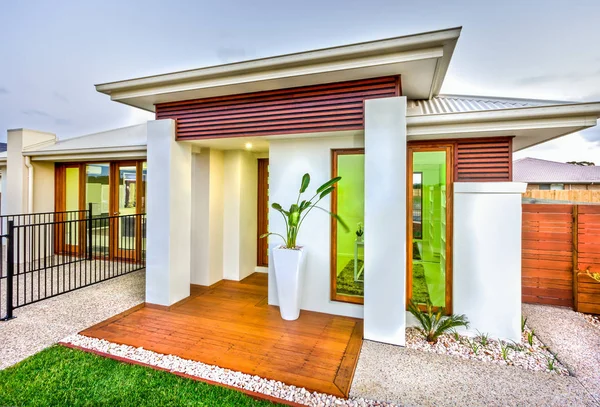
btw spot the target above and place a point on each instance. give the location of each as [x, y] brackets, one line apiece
[230, 325]
[484, 160]
[325, 107]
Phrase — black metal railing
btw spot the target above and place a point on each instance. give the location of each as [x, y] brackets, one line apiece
[61, 252]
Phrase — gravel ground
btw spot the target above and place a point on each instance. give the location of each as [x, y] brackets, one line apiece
[575, 341]
[416, 378]
[42, 324]
[217, 374]
[592, 319]
[530, 357]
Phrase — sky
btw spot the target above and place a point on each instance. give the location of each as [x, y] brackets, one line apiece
[52, 52]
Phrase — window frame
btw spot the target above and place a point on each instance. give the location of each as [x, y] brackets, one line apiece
[334, 296]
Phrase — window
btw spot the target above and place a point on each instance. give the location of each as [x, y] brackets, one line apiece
[544, 187]
[557, 187]
[348, 201]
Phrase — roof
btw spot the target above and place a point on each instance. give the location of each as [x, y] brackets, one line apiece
[421, 60]
[537, 171]
[444, 104]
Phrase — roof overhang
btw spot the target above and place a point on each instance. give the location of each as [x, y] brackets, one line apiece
[530, 126]
[422, 60]
[89, 154]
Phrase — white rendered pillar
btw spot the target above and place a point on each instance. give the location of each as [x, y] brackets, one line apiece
[168, 210]
[487, 256]
[385, 220]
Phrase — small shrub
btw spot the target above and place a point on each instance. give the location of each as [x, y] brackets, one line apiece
[483, 338]
[504, 349]
[433, 324]
[474, 346]
[523, 322]
[530, 337]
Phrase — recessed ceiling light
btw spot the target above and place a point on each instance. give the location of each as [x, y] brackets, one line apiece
[248, 146]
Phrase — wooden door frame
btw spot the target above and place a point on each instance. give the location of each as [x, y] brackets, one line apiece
[432, 146]
[333, 295]
[262, 215]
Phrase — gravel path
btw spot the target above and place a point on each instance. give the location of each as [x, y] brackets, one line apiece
[575, 340]
[39, 325]
[416, 378]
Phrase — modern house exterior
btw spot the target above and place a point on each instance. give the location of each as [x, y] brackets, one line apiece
[428, 177]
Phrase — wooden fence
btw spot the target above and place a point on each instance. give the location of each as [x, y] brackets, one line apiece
[575, 195]
[559, 243]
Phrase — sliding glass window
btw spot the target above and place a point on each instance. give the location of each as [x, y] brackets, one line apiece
[348, 201]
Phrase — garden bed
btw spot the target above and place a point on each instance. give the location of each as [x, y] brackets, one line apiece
[592, 319]
[530, 354]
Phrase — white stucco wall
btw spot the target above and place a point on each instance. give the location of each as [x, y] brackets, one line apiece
[168, 242]
[43, 186]
[239, 214]
[385, 220]
[207, 217]
[288, 161]
[487, 257]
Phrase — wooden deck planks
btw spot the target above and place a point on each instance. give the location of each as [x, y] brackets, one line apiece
[231, 326]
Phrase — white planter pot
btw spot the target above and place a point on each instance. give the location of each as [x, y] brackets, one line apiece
[289, 272]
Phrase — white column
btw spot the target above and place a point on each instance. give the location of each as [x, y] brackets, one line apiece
[487, 256]
[385, 220]
[168, 215]
[207, 217]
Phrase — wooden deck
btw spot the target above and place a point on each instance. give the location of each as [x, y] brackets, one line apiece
[230, 325]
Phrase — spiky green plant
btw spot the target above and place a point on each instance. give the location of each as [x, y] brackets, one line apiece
[504, 349]
[483, 338]
[433, 324]
[523, 322]
[455, 334]
[298, 211]
[530, 337]
[474, 346]
[517, 347]
[551, 360]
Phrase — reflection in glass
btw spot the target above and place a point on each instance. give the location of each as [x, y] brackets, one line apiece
[429, 227]
[351, 208]
[97, 193]
[71, 204]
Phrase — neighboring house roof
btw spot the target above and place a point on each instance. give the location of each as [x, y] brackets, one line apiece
[443, 104]
[536, 171]
[3, 147]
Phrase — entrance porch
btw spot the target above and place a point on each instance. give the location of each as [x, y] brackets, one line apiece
[231, 325]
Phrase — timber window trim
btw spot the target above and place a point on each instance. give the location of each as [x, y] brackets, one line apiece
[335, 154]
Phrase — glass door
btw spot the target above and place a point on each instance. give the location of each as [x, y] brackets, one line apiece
[429, 232]
[126, 224]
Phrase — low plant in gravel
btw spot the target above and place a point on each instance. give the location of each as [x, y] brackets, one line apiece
[551, 359]
[433, 324]
[530, 336]
[523, 323]
[483, 338]
[504, 349]
[474, 346]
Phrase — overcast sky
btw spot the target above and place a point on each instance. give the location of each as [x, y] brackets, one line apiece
[52, 52]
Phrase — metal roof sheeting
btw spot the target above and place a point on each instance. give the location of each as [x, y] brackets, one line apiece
[536, 171]
[444, 104]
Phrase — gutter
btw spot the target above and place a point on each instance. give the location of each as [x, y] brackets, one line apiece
[141, 147]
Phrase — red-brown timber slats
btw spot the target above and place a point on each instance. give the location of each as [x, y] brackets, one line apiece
[326, 107]
[484, 160]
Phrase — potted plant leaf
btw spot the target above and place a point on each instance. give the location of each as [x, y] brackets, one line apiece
[289, 258]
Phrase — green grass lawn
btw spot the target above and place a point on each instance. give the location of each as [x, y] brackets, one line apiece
[59, 376]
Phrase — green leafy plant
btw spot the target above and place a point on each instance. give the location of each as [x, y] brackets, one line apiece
[517, 347]
[474, 346]
[504, 349]
[298, 211]
[433, 324]
[551, 360]
[455, 334]
[530, 337]
[483, 338]
[523, 322]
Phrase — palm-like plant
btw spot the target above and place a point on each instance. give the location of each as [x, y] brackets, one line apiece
[433, 324]
[298, 211]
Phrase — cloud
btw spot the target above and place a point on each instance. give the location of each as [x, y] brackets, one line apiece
[3, 91]
[41, 113]
[231, 54]
[557, 77]
[60, 96]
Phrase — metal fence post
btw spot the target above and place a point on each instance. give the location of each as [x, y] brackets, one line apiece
[10, 269]
[89, 230]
